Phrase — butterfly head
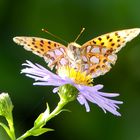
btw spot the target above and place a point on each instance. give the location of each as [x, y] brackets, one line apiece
[73, 45]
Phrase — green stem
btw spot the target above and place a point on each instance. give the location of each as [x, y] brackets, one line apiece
[55, 112]
[11, 126]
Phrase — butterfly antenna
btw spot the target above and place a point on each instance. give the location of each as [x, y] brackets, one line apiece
[45, 30]
[79, 34]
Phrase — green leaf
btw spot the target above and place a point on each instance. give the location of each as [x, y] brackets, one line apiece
[6, 128]
[62, 110]
[40, 131]
[41, 118]
[48, 109]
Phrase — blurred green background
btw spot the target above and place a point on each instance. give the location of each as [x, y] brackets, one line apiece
[65, 18]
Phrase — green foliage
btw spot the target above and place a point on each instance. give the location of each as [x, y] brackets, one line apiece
[40, 131]
[6, 128]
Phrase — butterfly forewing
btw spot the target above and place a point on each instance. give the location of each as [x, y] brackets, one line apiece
[100, 52]
[51, 51]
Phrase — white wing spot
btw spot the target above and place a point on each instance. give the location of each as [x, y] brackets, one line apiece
[51, 53]
[63, 61]
[108, 64]
[88, 49]
[95, 50]
[62, 50]
[112, 58]
[104, 50]
[86, 66]
[84, 58]
[94, 59]
[58, 52]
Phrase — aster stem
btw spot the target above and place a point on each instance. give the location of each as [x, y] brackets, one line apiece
[11, 126]
[43, 119]
[57, 110]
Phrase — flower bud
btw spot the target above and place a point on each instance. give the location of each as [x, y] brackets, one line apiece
[6, 105]
[68, 92]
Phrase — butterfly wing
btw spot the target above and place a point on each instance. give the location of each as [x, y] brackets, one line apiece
[52, 52]
[100, 52]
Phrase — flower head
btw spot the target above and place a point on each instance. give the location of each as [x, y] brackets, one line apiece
[78, 80]
[78, 77]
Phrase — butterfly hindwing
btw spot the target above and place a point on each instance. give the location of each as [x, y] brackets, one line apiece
[101, 51]
[97, 60]
[51, 51]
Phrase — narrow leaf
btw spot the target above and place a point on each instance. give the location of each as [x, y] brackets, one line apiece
[48, 109]
[62, 110]
[40, 131]
[6, 129]
[41, 118]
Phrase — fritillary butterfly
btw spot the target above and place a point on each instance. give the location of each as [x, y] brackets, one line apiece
[95, 56]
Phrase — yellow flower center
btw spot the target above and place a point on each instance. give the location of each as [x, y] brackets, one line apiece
[77, 76]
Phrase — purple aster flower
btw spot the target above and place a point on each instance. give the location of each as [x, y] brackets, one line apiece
[80, 80]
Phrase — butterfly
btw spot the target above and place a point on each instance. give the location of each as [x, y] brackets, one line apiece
[95, 57]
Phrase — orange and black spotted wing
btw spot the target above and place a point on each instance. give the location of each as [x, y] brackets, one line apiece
[51, 51]
[100, 52]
